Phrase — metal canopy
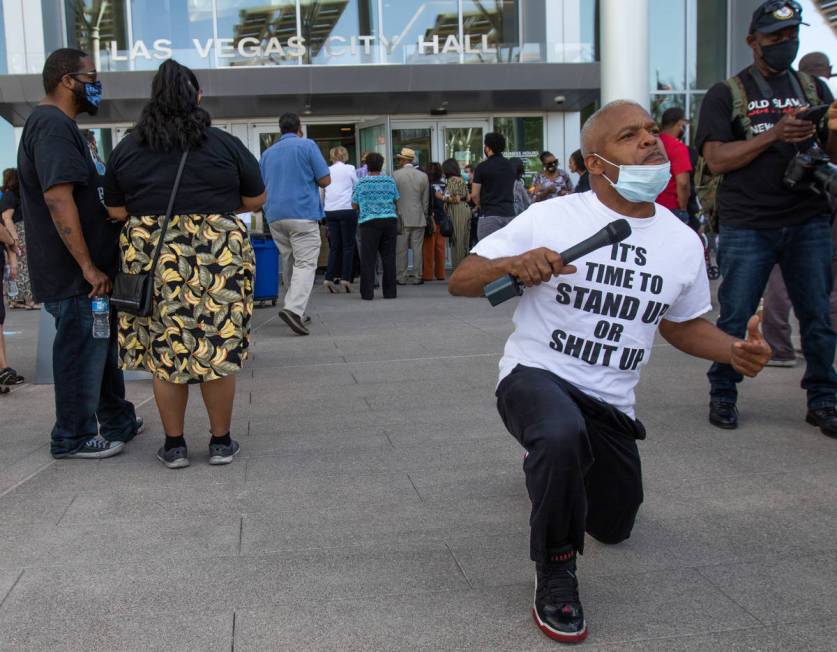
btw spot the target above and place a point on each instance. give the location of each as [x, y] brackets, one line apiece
[341, 90]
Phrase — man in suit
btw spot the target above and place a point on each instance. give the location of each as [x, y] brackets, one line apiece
[414, 190]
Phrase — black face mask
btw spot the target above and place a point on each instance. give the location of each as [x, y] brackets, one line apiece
[780, 56]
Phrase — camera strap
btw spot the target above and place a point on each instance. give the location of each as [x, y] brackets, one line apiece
[767, 92]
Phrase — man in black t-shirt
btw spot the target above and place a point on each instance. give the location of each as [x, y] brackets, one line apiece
[73, 256]
[762, 222]
[493, 187]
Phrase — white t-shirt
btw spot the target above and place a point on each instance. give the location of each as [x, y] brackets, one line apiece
[595, 328]
[338, 194]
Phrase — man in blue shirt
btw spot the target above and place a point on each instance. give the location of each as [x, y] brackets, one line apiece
[294, 170]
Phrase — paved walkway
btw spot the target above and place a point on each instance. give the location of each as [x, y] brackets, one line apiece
[378, 504]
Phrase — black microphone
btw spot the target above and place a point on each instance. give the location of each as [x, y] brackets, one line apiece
[506, 287]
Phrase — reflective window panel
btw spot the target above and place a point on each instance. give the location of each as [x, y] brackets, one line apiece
[707, 54]
[667, 44]
[181, 29]
[100, 27]
[257, 33]
[339, 32]
[524, 140]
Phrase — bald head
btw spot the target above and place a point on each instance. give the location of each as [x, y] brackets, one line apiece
[603, 120]
[816, 63]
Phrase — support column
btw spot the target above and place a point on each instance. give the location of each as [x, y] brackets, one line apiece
[624, 50]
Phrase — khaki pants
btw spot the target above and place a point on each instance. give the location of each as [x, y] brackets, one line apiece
[412, 238]
[299, 245]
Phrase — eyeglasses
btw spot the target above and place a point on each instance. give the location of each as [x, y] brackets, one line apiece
[770, 7]
[84, 73]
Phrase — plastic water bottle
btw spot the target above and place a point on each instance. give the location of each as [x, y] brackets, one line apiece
[11, 284]
[101, 317]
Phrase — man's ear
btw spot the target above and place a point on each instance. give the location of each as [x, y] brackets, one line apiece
[67, 82]
[751, 41]
[595, 165]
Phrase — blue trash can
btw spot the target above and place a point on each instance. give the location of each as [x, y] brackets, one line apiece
[266, 285]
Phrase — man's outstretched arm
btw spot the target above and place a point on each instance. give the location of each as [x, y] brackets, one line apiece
[701, 339]
[531, 268]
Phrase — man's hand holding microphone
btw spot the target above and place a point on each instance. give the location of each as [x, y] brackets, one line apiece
[537, 266]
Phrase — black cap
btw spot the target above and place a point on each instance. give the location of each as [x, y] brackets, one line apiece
[773, 15]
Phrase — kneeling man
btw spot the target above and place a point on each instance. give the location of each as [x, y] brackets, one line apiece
[582, 334]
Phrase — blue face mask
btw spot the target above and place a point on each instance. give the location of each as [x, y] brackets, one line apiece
[93, 93]
[640, 183]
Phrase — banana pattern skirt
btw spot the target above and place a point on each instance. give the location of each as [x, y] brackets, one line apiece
[203, 297]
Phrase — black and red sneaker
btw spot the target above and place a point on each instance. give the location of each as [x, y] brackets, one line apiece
[557, 610]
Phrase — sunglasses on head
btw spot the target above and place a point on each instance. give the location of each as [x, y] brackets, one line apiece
[770, 7]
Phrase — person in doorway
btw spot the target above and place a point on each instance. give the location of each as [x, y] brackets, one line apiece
[493, 187]
[577, 167]
[294, 170]
[414, 198]
[750, 140]
[363, 170]
[199, 329]
[434, 246]
[341, 221]
[522, 199]
[456, 202]
[77, 256]
[551, 181]
[13, 221]
[568, 373]
[375, 198]
[675, 197]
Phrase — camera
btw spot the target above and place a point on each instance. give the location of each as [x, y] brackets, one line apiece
[812, 170]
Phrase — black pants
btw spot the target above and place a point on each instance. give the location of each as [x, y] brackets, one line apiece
[378, 236]
[341, 227]
[583, 470]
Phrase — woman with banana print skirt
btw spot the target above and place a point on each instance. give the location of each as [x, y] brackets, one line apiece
[199, 330]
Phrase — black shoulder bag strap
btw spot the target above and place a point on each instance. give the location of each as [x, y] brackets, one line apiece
[169, 211]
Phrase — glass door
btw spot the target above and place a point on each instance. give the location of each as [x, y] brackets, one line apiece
[462, 141]
[440, 140]
[418, 136]
[263, 136]
[373, 136]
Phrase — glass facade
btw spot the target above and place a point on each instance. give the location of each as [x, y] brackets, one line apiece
[8, 153]
[100, 27]
[687, 53]
[524, 140]
[138, 34]
[170, 26]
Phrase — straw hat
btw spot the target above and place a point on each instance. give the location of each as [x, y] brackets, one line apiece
[408, 154]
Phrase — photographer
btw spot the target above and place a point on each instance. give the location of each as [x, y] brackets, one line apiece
[750, 128]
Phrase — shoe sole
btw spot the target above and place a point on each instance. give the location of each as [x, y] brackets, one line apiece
[787, 364]
[723, 426]
[555, 635]
[180, 463]
[296, 328]
[111, 452]
[218, 460]
[813, 422]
